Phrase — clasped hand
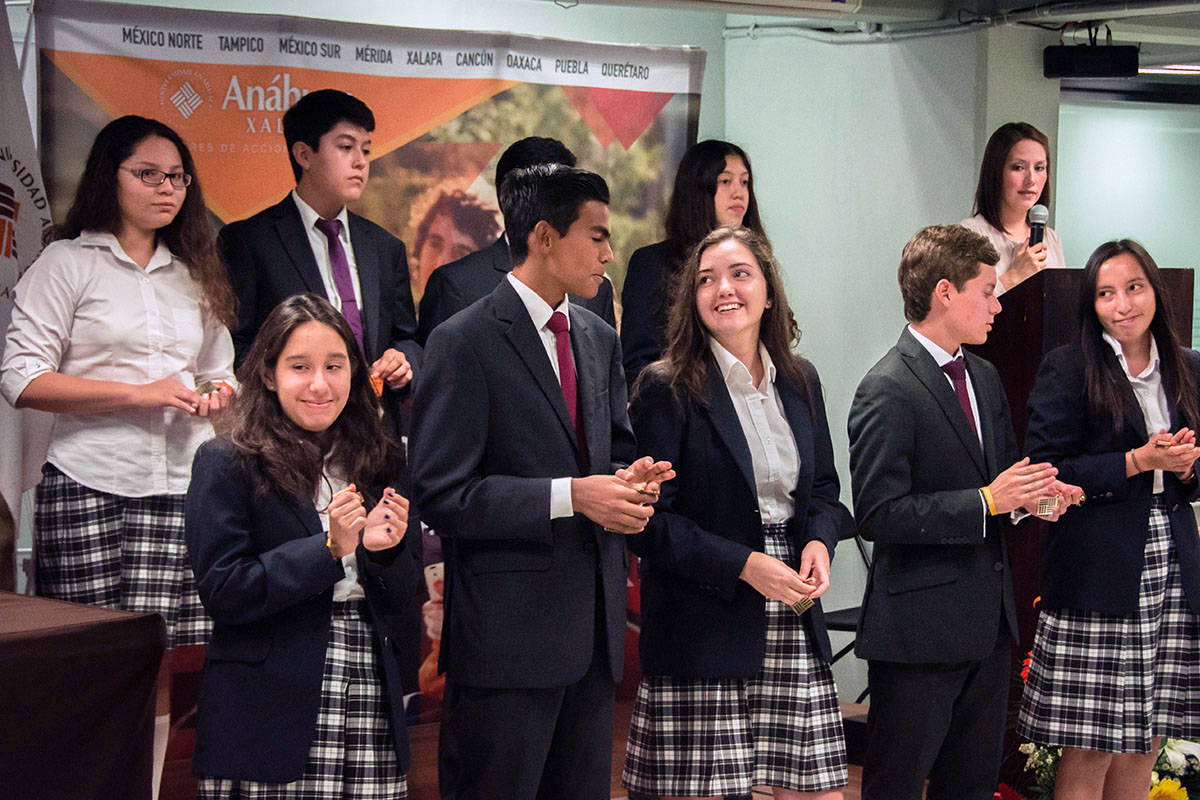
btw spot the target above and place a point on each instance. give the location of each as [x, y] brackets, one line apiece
[380, 529]
[775, 580]
[624, 501]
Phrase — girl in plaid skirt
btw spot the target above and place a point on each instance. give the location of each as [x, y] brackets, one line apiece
[120, 330]
[301, 556]
[737, 689]
[1114, 658]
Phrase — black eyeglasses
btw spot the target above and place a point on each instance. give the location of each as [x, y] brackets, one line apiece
[155, 177]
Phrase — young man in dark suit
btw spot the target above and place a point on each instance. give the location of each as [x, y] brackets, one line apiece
[309, 242]
[935, 475]
[454, 286]
[524, 463]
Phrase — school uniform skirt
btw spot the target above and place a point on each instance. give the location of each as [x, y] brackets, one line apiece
[722, 736]
[1109, 683]
[122, 552]
[353, 753]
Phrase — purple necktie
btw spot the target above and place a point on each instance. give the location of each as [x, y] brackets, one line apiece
[332, 228]
[957, 370]
[566, 373]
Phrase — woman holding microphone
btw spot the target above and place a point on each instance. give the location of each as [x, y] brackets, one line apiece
[737, 690]
[1014, 177]
[1113, 668]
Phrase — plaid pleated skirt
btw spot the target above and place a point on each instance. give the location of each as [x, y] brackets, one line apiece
[353, 754]
[723, 736]
[122, 552]
[1109, 683]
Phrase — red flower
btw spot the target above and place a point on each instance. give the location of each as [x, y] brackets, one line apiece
[1025, 667]
[1006, 792]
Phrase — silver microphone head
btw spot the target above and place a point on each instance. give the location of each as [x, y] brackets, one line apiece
[1039, 215]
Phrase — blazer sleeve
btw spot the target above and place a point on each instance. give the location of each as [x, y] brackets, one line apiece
[238, 583]
[235, 252]
[448, 445]
[404, 317]
[883, 449]
[1058, 430]
[440, 301]
[675, 542]
[827, 517]
[641, 334]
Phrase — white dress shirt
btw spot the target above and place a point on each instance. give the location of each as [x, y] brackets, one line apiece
[760, 412]
[1148, 389]
[1007, 248]
[348, 588]
[320, 247]
[540, 312]
[86, 309]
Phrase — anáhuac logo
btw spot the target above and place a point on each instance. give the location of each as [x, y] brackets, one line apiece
[185, 90]
[10, 209]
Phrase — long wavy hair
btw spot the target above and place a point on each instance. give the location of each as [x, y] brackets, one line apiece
[189, 235]
[692, 214]
[285, 457]
[989, 190]
[1108, 391]
[686, 357]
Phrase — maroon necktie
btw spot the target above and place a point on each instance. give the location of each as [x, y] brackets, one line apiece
[566, 372]
[332, 228]
[957, 370]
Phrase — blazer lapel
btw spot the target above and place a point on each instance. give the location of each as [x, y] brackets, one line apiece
[926, 370]
[528, 344]
[591, 372]
[366, 261]
[294, 238]
[725, 421]
[799, 417]
[987, 429]
[307, 515]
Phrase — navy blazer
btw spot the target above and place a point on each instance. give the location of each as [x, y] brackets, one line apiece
[940, 587]
[1094, 553]
[266, 579]
[699, 619]
[490, 431]
[644, 300]
[270, 259]
[454, 286]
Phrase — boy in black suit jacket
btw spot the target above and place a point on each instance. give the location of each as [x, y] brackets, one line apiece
[454, 286]
[930, 440]
[309, 242]
[521, 449]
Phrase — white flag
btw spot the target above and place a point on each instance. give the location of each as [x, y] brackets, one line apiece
[24, 229]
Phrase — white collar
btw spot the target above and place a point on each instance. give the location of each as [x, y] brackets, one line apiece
[731, 366]
[161, 257]
[939, 355]
[539, 310]
[309, 217]
[1151, 365]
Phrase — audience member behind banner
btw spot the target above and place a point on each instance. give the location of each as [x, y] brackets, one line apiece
[299, 547]
[1113, 668]
[1014, 177]
[119, 328]
[739, 539]
[714, 186]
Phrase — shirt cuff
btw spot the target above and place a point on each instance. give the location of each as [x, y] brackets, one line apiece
[983, 500]
[560, 498]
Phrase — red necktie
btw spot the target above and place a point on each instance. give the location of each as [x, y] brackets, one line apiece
[332, 228]
[957, 370]
[566, 373]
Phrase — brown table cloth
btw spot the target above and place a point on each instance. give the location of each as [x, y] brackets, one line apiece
[77, 690]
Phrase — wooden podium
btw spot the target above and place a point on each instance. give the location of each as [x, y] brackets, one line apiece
[1037, 316]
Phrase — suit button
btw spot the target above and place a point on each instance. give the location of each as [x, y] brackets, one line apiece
[998, 566]
[588, 547]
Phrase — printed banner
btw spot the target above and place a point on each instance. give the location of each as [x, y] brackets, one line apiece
[25, 228]
[446, 104]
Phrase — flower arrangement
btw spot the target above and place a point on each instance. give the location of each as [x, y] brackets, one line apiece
[1176, 774]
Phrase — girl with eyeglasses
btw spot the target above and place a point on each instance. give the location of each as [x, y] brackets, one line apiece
[120, 329]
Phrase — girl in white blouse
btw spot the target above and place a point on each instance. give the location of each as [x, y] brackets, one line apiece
[120, 329]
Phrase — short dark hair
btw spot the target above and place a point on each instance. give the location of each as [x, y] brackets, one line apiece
[316, 114]
[940, 251]
[991, 171]
[549, 192]
[529, 152]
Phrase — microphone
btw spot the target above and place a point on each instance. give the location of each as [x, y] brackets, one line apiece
[1039, 215]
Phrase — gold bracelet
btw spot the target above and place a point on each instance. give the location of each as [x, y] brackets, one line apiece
[987, 498]
[1133, 458]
